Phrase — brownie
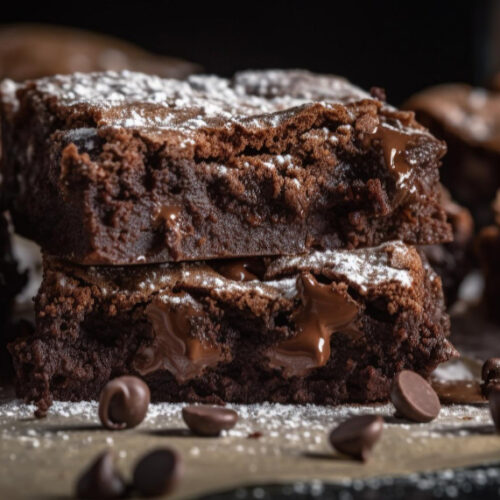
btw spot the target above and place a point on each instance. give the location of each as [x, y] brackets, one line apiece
[453, 261]
[124, 168]
[488, 250]
[32, 51]
[327, 327]
[468, 119]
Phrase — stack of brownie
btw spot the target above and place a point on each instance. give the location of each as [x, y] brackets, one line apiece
[235, 240]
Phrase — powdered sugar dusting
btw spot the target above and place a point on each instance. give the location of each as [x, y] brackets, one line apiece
[362, 267]
[290, 444]
[86, 135]
[8, 89]
[199, 101]
[252, 99]
[277, 422]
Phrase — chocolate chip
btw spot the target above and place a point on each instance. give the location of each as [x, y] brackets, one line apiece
[414, 398]
[491, 370]
[101, 480]
[158, 472]
[357, 436]
[124, 403]
[209, 420]
[494, 398]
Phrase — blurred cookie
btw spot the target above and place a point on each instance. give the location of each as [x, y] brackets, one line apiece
[468, 119]
[33, 51]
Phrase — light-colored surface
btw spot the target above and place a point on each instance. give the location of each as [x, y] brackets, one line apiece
[45, 457]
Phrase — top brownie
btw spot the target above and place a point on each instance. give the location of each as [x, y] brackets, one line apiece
[123, 168]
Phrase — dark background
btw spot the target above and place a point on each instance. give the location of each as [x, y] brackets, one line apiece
[400, 45]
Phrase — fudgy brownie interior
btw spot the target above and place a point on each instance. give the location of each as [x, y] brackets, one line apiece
[125, 168]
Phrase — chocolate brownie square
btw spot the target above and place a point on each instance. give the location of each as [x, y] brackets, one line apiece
[468, 119]
[124, 168]
[32, 51]
[327, 327]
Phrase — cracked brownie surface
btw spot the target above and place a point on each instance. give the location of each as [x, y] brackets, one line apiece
[124, 168]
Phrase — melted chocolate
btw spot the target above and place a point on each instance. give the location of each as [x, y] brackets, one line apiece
[324, 311]
[394, 143]
[169, 214]
[168, 218]
[460, 392]
[240, 270]
[173, 348]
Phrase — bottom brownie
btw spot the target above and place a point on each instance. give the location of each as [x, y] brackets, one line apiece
[328, 327]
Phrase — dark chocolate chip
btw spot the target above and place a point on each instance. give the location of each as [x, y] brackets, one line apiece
[124, 403]
[494, 398]
[357, 436]
[414, 398]
[158, 472]
[209, 420]
[101, 479]
[491, 370]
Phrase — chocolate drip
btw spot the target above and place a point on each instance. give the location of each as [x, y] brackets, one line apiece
[324, 311]
[169, 216]
[173, 348]
[394, 143]
[168, 213]
[241, 269]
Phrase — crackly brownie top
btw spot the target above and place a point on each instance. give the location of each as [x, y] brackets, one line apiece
[369, 271]
[252, 100]
[320, 293]
[135, 100]
[472, 114]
